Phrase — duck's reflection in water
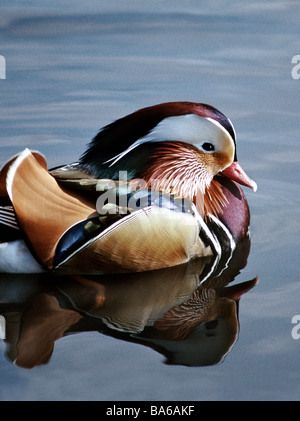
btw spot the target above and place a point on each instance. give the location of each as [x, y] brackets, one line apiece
[187, 313]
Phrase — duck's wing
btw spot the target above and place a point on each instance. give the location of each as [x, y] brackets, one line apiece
[44, 210]
[75, 178]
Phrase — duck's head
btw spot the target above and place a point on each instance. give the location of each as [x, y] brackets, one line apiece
[181, 145]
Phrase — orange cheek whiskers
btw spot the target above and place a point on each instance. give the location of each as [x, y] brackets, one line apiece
[214, 199]
[175, 169]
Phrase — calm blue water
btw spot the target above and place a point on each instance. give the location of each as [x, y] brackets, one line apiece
[71, 70]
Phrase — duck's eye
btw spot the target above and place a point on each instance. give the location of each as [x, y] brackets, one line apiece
[207, 146]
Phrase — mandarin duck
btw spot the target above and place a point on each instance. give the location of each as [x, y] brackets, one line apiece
[154, 189]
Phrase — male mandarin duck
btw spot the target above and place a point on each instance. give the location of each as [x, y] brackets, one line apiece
[154, 189]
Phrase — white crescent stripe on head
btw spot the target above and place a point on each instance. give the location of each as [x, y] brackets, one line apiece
[222, 127]
[189, 128]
